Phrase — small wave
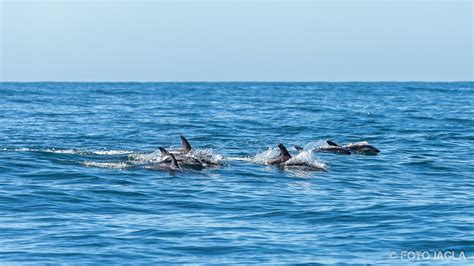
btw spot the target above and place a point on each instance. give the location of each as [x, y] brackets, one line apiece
[61, 151]
[75, 151]
[111, 152]
[25, 149]
[242, 159]
[119, 165]
[140, 158]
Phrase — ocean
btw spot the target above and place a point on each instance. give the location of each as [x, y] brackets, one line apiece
[73, 189]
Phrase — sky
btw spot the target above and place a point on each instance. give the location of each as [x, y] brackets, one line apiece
[230, 40]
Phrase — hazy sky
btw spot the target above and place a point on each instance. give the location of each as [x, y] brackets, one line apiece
[229, 40]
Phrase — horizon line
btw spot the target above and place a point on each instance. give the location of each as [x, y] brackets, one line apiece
[246, 81]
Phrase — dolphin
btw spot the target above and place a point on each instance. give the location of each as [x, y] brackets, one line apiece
[182, 159]
[186, 155]
[164, 152]
[362, 148]
[185, 146]
[285, 156]
[172, 165]
[358, 147]
[334, 148]
[331, 148]
[186, 150]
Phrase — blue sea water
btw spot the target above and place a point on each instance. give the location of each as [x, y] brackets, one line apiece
[69, 191]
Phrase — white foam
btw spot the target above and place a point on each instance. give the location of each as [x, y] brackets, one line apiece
[61, 151]
[243, 159]
[111, 152]
[120, 165]
[76, 151]
[25, 149]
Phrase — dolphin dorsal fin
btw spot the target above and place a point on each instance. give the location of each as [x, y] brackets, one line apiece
[185, 144]
[299, 148]
[283, 151]
[163, 151]
[174, 163]
[330, 143]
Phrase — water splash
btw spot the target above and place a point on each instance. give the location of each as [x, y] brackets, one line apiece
[141, 158]
[207, 156]
[260, 158]
[303, 158]
[354, 144]
[306, 159]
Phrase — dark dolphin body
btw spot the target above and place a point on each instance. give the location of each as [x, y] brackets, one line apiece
[362, 148]
[335, 148]
[332, 148]
[283, 157]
